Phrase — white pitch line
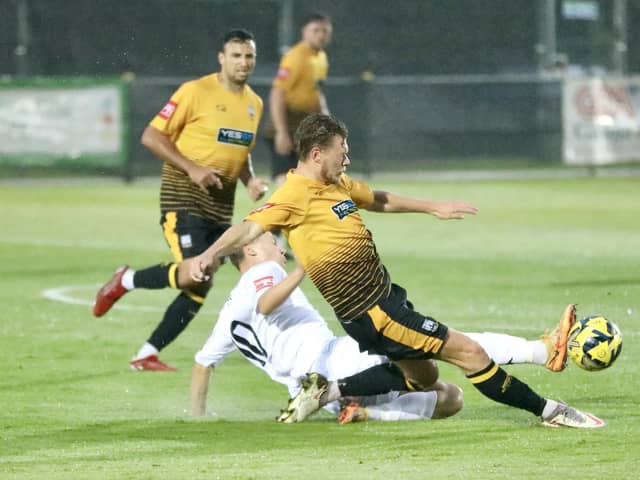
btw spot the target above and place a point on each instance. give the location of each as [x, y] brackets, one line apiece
[62, 294]
[45, 242]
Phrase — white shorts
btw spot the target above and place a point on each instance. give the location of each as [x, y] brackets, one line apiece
[342, 358]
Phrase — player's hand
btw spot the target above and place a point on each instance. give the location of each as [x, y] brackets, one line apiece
[453, 209]
[205, 177]
[257, 187]
[200, 268]
[283, 143]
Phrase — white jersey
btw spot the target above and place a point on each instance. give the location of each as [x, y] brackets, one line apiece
[294, 340]
[285, 344]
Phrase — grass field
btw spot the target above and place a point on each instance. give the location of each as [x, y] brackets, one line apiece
[71, 408]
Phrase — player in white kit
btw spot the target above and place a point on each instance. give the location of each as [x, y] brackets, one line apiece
[269, 320]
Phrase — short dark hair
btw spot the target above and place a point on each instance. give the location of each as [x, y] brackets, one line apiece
[316, 17]
[317, 130]
[237, 35]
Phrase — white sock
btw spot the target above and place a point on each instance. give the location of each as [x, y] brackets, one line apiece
[549, 408]
[146, 350]
[127, 279]
[409, 406]
[540, 352]
[507, 349]
[332, 393]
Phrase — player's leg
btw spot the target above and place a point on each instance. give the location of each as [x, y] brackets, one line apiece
[508, 349]
[443, 401]
[342, 370]
[419, 373]
[394, 329]
[495, 383]
[550, 350]
[155, 277]
[187, 236]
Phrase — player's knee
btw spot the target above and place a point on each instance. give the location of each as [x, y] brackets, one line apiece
[475, 350]
[419, 375]
[477, 357]
[450, 401]
[468, 354]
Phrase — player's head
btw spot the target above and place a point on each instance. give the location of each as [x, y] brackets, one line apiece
[237, 56]
[321, 143]
[262, 249]
[317, 30]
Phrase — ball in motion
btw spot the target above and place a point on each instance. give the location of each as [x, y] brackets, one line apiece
[594, 343]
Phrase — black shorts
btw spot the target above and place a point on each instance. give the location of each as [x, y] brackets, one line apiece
[393, 328]
[189, 235]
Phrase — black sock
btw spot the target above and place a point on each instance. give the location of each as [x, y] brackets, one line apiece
[175, 320]
[495, 383]
[373, 381]
[159, 276]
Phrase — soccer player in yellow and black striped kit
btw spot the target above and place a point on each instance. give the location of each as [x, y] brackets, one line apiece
[297, 91]
[318, 208]
[204, 136]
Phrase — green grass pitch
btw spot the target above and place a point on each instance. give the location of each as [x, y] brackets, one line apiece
[71, 408]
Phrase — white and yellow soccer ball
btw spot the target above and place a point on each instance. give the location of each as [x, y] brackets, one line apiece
[594, 343]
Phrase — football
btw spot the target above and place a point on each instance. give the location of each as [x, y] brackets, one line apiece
[594, 343]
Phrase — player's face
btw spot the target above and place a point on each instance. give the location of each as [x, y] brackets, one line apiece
[237, 61]
[269, 249]
[334, 160]
[317, 34]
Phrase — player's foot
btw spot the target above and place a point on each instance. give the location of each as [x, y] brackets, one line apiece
[565, 416]
[307, 401]
[110, 292]
[151, 363]
[556, 341]
[352, 412]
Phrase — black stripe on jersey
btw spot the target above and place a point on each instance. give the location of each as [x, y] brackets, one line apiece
[178, 193]
[352, 280]
[253, 351]
[250, 355]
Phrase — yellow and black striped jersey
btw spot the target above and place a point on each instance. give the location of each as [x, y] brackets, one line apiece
[330, 240]
[300, 74]
[213, 127]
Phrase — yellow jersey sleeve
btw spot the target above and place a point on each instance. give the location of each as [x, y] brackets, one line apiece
[284, 210]
[288, 71]
[174, 115]
[360, 192]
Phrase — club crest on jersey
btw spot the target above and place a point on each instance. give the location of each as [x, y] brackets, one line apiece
[429, 325]
[235, 137]
[167, 110]
[344, 208]
[252, 112]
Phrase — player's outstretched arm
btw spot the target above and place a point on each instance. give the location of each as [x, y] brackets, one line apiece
[276, 295]
[393, 203]
[232, 240]
[200, 376]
